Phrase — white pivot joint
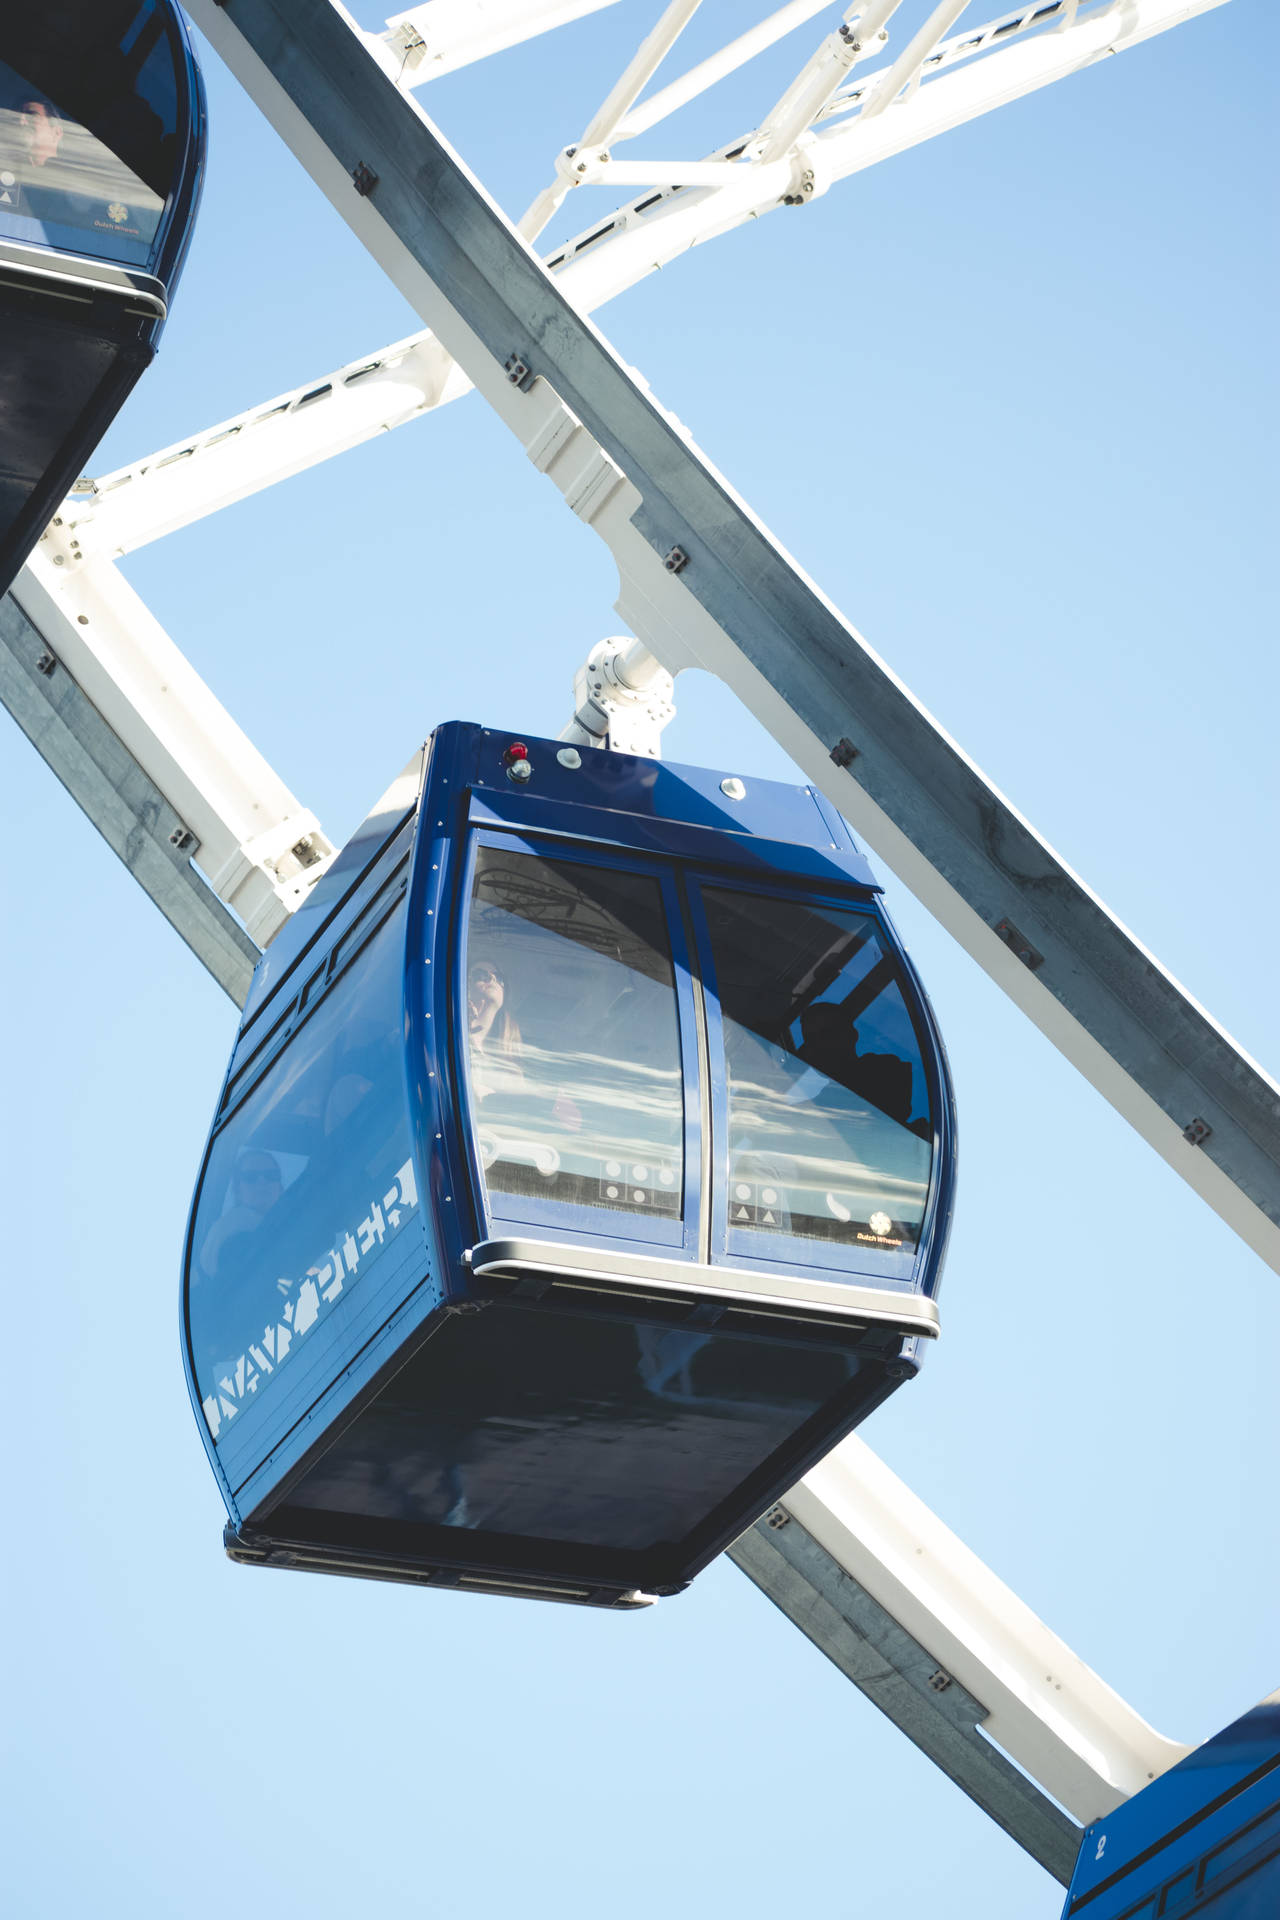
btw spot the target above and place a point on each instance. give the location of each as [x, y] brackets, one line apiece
[623, 698]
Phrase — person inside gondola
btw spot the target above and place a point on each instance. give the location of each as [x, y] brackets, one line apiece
[830, 1042]
[256, 1185]
[496, 1042]
[31, 132]
[71, 183]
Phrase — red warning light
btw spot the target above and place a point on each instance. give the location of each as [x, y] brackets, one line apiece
[516, 751]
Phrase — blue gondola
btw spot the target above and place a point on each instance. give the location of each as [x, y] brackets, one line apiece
[1202, 1842]
[102, 138]
[582, 1173]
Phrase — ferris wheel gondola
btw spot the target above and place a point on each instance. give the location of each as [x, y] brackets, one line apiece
[102, 139]
[582, 1174]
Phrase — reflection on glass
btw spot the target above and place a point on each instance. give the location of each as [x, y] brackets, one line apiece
[830, 1135]
[63, 185]
[305, 1185]
[575, 1075]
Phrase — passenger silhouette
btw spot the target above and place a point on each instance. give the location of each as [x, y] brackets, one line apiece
[829, 1041]
[256, 1185]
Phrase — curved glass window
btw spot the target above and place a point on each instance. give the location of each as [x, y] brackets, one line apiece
[89, 110]
[573, 1039]
[305, 1184]
[829, 1129]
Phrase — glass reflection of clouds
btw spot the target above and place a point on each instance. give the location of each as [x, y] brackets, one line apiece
[830, 1136]
[61, 185]
[575, 1072]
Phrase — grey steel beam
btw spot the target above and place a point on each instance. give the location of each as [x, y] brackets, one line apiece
[900, 1677]
[741, 607]
[124, 804]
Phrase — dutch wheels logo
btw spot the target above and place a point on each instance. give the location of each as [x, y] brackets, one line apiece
[880, 1224]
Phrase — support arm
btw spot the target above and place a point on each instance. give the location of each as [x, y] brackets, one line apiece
[950, 1654]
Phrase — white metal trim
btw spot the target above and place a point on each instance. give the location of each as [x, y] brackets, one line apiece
[851, 1300]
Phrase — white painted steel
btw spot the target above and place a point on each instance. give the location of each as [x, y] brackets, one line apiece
[1047, 1709]
[259, 849]
[961, 87]
[909, 65]
[266, 443]
[816, 84]
[439, 36]
[604, 123]
[736, 54]
[290, 432]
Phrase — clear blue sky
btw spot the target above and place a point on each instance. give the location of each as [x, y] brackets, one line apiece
[1010, 400]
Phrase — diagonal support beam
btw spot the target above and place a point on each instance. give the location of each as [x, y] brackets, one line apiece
[119, 796]
[904, 1680]
[237, 820]
[951, 1655]
[704, 583]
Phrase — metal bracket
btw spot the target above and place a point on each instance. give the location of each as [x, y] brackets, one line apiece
[1018, 943]
[622, 699]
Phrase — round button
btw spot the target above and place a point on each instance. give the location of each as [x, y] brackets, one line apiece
[613, 1168]
[639, 1196]
[611, 1193]
[639, 1173]
[770, 1196]
[742, 1191]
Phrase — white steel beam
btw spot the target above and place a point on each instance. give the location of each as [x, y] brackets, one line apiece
[130, 812]
[439, 36]
[814, 86]
[123, 510]
[909, 65]
[258, 848]
[333, 412]
[960, 80]
[604, 123]
[728, 60]
[943, 1646]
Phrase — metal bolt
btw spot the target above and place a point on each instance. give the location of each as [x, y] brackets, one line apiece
[1019, 944]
